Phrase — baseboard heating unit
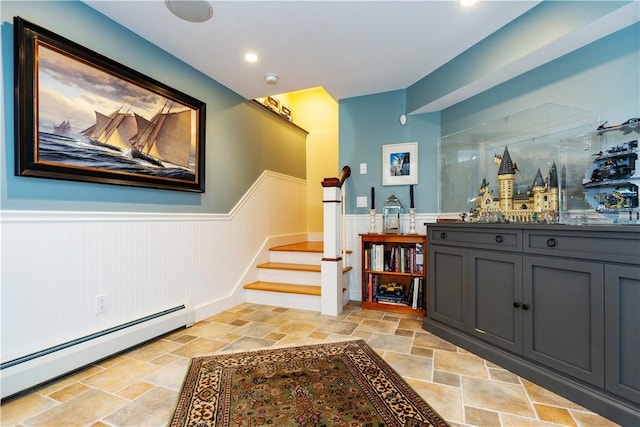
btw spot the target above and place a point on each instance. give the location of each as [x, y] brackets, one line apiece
[27, 371]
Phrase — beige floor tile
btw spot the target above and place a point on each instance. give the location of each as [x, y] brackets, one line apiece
[503, 375]
[377, 326]
[408, 366]
[170, 376]
[386, 342]
[199, 347]
[246, 344]
[428, 340]
[151, 409]
[120, 376]
[15, 411]
[151, 350]
[446, 378]
[255, 329]
[481, 417]
[446, 400]
[337, 327]
[63, 382]
[69, 392]
[538, 394]
[212, 330]
[411, 324]
[82, 410]
[140, 388]
[135, 390]
[463, 364]
[554, 414]
[496, 396]
[509, 420]
[589, 419]
[297, 328]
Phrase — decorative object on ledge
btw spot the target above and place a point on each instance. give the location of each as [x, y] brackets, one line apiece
[260, 102]
[372, 212]
[142, 134]
[412, 212]
[400, 164]
[285, 112]
[391, 215]
[272, 103]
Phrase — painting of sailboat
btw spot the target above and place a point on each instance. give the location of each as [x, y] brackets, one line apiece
[98, 121]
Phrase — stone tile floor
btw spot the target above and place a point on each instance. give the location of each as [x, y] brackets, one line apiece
[140, 387]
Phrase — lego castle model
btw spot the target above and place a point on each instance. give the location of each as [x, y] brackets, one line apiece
[540, 202]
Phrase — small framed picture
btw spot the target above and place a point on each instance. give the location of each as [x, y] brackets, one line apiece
[400, 164]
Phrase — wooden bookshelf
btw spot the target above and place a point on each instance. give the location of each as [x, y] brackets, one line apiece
[394, 272]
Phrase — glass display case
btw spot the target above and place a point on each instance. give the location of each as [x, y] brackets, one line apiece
[548, 164]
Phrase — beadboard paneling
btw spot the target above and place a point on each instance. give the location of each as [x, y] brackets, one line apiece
[54, 264]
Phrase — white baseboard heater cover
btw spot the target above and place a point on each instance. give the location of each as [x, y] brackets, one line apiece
[28, 371]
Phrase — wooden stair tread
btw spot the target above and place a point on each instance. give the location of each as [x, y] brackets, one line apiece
[295, 267]
[284, 287]
[288, 288]
[290, 266]
[310, 246]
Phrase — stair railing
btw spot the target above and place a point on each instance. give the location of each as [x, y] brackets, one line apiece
[332, 260]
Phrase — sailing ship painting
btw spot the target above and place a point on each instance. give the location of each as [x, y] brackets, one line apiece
[95, 125]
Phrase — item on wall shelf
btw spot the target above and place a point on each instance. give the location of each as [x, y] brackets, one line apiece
[272, 104]
[285, 112]
[143, 134]
[391, 215]
[400, 164]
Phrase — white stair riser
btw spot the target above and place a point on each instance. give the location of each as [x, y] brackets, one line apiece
[281, 299]
[286, 300]
[289, 276]
[313, 258]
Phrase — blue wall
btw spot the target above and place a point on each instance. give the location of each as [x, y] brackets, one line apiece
[242, 140]
[367, 123]
[602, 77]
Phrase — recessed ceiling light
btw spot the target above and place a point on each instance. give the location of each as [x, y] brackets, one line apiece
[251, 57]
[467, 3]
[190, 10]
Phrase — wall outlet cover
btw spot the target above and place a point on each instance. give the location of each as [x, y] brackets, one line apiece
[361, 202]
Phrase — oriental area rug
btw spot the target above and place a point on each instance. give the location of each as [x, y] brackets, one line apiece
[336, 384]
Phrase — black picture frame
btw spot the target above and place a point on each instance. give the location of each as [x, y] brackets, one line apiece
[81, 116]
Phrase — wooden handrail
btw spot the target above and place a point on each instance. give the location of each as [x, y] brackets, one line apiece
[337, 182]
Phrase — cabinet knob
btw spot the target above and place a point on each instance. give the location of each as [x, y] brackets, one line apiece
[499, 239]
[551, 242]
[525, 306]
[443, 235]
[516, 304]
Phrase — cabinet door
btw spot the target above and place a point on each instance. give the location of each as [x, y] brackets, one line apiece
[564, 315]
[622, 331]
[447, 278]
[495, 298]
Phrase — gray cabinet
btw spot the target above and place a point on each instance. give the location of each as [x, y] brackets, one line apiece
[556, 304]
[563, 325]
[622, 323]
[447, 289]
[495, 298]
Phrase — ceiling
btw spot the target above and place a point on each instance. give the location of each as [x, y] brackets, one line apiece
[350, 48]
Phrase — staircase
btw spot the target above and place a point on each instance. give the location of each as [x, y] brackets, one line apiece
[291, 278]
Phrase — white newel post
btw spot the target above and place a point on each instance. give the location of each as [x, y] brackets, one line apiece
[331, 266]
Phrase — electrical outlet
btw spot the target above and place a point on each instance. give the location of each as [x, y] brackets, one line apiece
[101, 303]
[361, 202]
[363, 168]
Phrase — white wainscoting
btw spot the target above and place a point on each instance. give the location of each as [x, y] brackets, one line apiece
[54, 264]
